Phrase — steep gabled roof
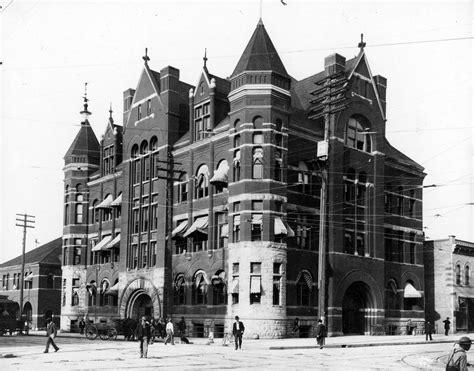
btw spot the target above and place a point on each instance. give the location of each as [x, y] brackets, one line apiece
[260, 54]
[394, 154]
[48, 253]
[85, 143]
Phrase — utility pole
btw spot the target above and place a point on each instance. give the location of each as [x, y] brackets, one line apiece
[24, 221]
[330, 99]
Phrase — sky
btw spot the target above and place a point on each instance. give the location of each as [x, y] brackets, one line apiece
[50, 49]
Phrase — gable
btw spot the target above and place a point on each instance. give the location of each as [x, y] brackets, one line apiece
[145, 87]
[362, 68]
[202, 89]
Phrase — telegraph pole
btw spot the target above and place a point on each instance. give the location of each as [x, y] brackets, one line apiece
[330, 99]
[24, 221]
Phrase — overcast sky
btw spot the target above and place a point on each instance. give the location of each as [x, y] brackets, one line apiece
[49, 49]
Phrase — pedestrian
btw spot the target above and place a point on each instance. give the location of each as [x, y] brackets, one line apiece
[143, 334]
[169, 332]
[428, 330]
[457, 360]
[409, 327]
[182, 331]
[51, 333]
[82, 325]
[321, 333]
[153, 327]
[238, 330]
[296, 324]
[161, 328]
[447, 326]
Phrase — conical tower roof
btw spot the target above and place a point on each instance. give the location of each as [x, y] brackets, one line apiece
[260, 54]
[85, 144]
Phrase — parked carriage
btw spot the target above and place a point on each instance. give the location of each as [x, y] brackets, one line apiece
[103, 330]
[9, 323]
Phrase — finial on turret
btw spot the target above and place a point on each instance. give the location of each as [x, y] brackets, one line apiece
[111, 120]
[205, 58]
[362, 43]
[146, 58]
[85, 112]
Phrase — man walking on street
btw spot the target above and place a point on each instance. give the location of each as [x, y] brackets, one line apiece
[143, 334]
[447, 324]
[169, 332]
[457, 360]
[238, 330]
[51, 333]
[428, 330]
[321, 334]
[82, 325]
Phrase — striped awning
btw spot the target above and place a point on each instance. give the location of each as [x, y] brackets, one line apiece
[200, 278]
[218, 278]
[255, 285]
[114, 243]
[180, 229]
[113, 290]
[102, 245]
[257, 219]
[307, 278]
[117, 202]
[199, 225]
[29, 277]
[234, 288]
[106, 204]
[220, 175]
[280, 226]
[411, 292]
[291, 232]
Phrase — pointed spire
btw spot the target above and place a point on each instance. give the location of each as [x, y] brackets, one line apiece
[146, 58]
[85, 112]
[111, 120]
[205, 58]
[362, 43]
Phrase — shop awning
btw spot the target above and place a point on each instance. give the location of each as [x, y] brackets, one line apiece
[234, 288]
[117, 202]
[411, 292]
[113, 290]
[102, 245]
[220, 175]
[106, 204]
[180, 229]
[199, 225]
[114, 243]
[255, 285]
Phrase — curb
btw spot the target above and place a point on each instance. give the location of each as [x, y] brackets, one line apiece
[360, 345]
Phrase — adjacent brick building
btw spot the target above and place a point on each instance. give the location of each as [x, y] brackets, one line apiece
[449, 283]
[206, 203]
[42, 283]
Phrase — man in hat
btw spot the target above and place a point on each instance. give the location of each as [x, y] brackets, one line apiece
[458, 358]
[238, 329]
[51, 333]
[143, 334]
[321, 333]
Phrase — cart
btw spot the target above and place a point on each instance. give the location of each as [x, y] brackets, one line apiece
[103, 330]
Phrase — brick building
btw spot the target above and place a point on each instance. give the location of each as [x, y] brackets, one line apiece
[42, 283]
[206, 203]
[449, 284]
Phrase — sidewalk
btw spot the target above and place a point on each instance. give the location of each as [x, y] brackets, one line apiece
[305, 343]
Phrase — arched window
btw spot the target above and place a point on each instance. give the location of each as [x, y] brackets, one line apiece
[50, 281]
[202, 182]
[134, 152]
[467, 275]
[75, 298]
[257, 166]
[200, 288]
[144, 147]
[236, 162]
[257, 122]
[278, 166]
[237, 124]
[458, 274]
[153, 143]
[79, 209]
[104, 296]
[66, 214]
[304, 285]
[237, 141]
[180, 290]
[356, 136]
[391, 295]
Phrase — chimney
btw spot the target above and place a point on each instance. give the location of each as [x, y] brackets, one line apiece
[334, 63]
[381, 83]
[169, 76]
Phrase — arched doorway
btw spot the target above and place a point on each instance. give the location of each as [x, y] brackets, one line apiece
[28, 312]
[139, 305]
[356, 307]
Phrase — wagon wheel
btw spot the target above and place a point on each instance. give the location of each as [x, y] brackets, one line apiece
[91, 332]
[112, 333]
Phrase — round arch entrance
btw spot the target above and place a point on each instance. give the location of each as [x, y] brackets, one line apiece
[140, 304]
[28, 311]
[357, 305]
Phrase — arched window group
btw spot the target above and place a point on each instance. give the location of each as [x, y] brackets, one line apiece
[461, 274]
[202, 289]
[202, 182]
[357, 134]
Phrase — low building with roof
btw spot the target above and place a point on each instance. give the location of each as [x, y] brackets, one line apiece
[449, 283]
[42, 283]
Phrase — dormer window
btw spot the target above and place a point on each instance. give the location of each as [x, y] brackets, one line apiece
[357, 136]
[202, 121]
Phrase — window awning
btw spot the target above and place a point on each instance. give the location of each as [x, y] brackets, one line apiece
[234, 289]
[411, 292]
[115, 242]
[75, 290]
[106, 204]
[255, 285]
[29, 277]
[280, 226]
[291, 232]
[218, 278]
[102, 245]
[179, 230]
[220, 175]
[117, 202]
[92, 288]
[200, 278]
[225, 230]
[199, 225]
[257, 218]
[236, 221]
[307, 278]
[113, 290]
